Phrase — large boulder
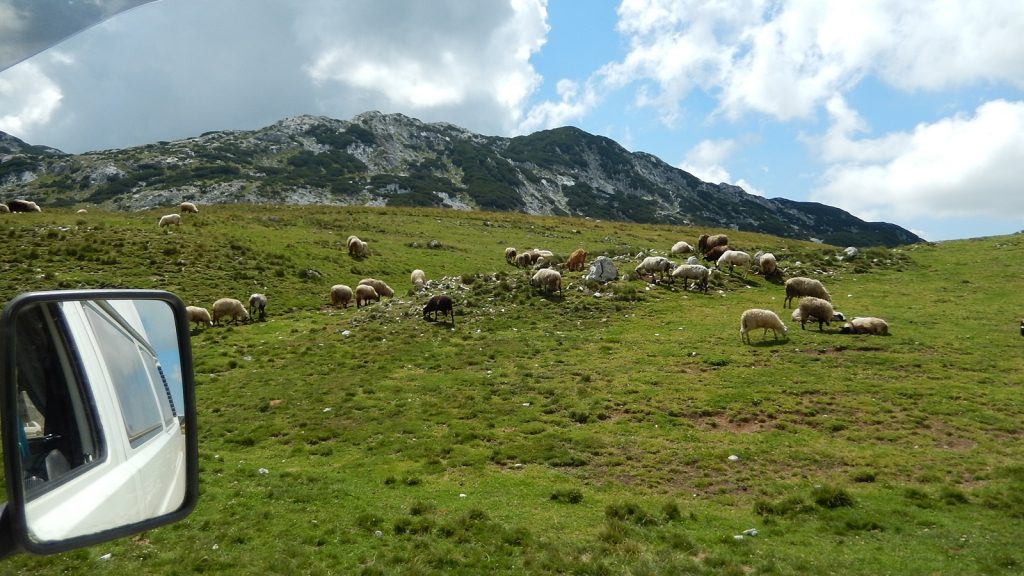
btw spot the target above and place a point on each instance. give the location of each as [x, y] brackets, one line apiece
[602, 270]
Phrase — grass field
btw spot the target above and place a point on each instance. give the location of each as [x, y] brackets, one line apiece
[619, 429]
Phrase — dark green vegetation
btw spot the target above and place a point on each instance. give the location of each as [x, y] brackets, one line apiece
[548, 435]
[393, 160]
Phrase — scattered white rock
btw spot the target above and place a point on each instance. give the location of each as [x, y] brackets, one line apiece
[750, 532]
[105, 556]
[263, 471]
[377, 534]
[734, 458]
[346, 333]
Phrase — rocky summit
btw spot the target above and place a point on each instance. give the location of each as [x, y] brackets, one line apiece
[389, 159]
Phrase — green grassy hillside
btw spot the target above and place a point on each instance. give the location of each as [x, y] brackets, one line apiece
[589, 434]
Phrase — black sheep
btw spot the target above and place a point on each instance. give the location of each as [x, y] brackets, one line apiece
[442, 304]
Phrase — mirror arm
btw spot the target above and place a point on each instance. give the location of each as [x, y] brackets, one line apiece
[8, 547]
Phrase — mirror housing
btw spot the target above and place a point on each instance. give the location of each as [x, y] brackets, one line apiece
[97, 399]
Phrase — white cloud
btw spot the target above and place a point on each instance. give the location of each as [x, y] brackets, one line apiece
[786, 59]
[28, 98]
[160, 72]
[706, 161]
[435, 55]
[958, 167]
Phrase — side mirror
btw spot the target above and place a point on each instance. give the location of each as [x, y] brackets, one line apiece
[99, 420]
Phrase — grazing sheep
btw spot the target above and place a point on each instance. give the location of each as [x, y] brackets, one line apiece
[652, 264]
[732, 258]
[870, 325]
[357, 248]
[817, 308]
[510, 255]
[524, 260]
[836, 315]
[577, 260]
[681, 248]
[258, 303]
[442, 304]
[547, 280]
[758, 318]
[188, 207]
[365, 293]
[228, 307]
[199, 315]
[23, 206]
[699, 274]
[767, 263]
[714, 253]
[170, 219]
[705, 242]
[341, 294]
[800, 286]
[418, 278]
[4, 209]
[379, 286]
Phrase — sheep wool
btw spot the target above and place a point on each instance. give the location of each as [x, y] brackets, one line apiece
[868, 325]
[817, 308]
[759, 318]
[510, 255]
[188, 207]
[655, 264]
[732, 258]
[800, 286]
[699, 274]
[258, 305]
[418, 278]
[170, 219]
[199, 315]
[681, 248]
[381, 287]
[228, 307]
[341, 294]
[365, 293]
[547, 280]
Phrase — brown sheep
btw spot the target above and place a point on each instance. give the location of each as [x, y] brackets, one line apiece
[715, 252]
[705, 242]
[577, 260]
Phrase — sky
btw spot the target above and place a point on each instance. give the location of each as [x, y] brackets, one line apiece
[910, 112]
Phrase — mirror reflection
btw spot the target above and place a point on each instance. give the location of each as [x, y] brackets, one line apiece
[101, 411]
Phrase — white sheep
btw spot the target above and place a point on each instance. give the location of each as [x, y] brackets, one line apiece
[836, 315]
[652, 264]
[379, 286]
[800, 286]
[21, 205]
[867, 325]
[258, 305]
[341, 294]
[767, 263]
[365, 293]
[418, 278]
[681, 248]
[4, 209]
[692, 260]
[170, 219]
[547, 279]
[188, 207]
[760, 318]
[356, 247]
[699, 274]
[817, 308]
[732, 258]
[510, 255]
[199, 315]
[228, 307]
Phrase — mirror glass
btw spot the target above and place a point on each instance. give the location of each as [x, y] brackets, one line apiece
[101, 410]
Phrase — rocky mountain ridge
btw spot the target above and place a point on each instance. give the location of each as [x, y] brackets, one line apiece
[391, 159]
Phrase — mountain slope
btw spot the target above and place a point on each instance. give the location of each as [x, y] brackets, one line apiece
[391, 159]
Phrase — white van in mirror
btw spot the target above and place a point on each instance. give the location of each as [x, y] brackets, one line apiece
[98, 416]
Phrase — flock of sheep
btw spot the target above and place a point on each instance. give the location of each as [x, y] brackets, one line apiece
[814, 302]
